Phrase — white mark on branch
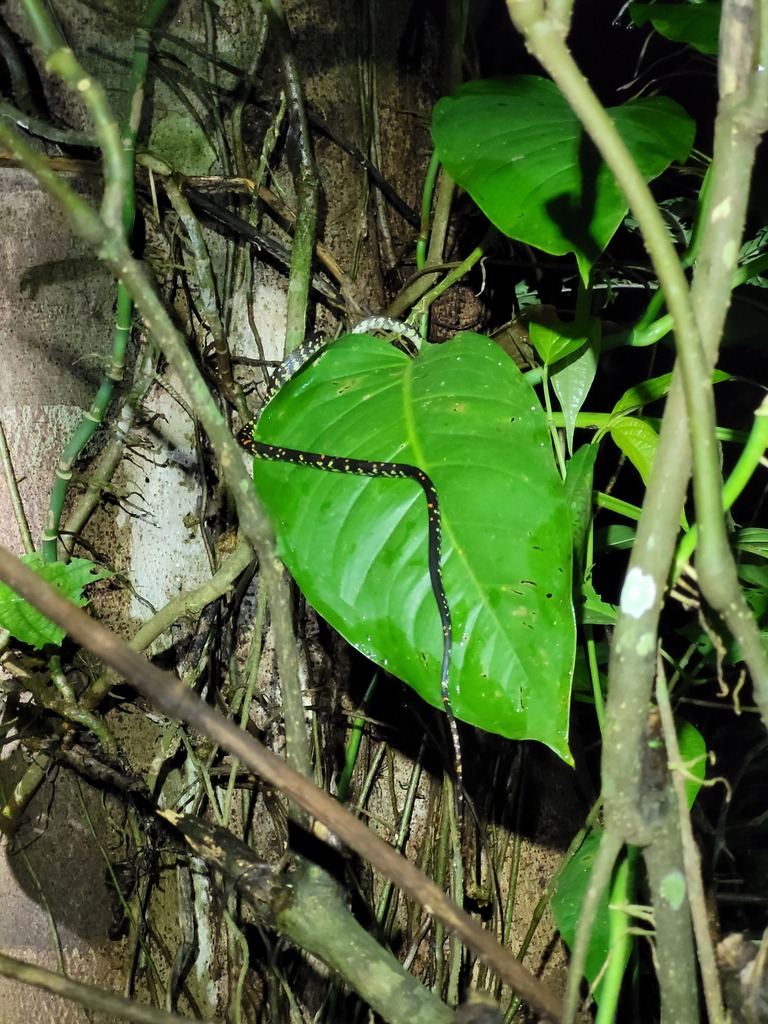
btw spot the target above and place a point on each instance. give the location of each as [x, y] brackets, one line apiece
[646, 644]
[638, 593]
[730, 253]
[672, 889]
[722, 211]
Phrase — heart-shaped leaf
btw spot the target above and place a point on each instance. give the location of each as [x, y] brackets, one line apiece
[358, 545]
[519, 150]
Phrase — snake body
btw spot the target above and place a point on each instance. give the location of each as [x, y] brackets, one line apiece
[288, 369]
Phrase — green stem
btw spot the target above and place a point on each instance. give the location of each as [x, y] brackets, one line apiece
[353, 744]
[87, 427]
[13, 490]
[307, 188]
[742, 117]
[651, 313]
[647, 331]
[427, 195]
[750, 458]
[620, 938]
[599, 880]
[439, 232]
[553, 434]
[207, 302]
[420, 309]
[300, 275]
[114, 374]
[102, 470]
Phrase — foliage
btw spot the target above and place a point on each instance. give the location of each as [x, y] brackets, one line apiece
[358, 545]
[520, 151]
[23, 621]
[694, 23]
[522, 477]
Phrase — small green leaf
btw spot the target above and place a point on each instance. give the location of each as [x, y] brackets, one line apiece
[617, 537]
[695, 23]
[693, 754]
[648, 391]
[556, 341]
[578, 494]
[638, 440]
[571, 380]
[521, 153]
[25, 622]
[591, 609]
[752, 539]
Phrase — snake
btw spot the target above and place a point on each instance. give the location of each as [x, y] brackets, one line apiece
[291, 365]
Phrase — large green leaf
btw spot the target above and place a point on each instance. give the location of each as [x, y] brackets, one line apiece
[357, 545]
[694, 23]
[519, 150]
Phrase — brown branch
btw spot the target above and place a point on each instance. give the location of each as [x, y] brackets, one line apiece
[89, 996]
[172, 698]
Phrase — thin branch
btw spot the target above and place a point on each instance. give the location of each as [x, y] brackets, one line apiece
[710, 975]
[599, 880]
[307, 191]
[13, 490]
[92, 998]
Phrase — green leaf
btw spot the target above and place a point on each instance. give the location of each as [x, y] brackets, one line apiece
[752, 539]
[519, 150]
[572, 379]
[568, 901]
[554, 341]
[695, 23]
[638, 440]
[617, 537]
[578, 494]
[693, 754]
[591, 609]
[357, 545]
[25, 622]
[648, 391]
